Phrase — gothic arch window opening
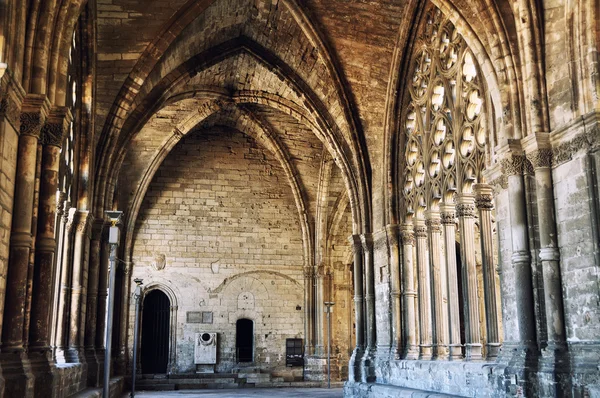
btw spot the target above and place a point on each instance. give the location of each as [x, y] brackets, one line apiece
[443, 154]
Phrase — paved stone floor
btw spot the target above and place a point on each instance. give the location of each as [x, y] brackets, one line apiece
[246, 393]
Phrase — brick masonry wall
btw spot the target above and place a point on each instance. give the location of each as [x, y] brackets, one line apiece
[220, 216]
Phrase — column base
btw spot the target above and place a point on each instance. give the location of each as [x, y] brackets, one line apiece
[17, 375]
[94, 371]
[455, 352]
[440, 352]
[367, 363]
[74, 355]
[473, 352]
[44, 373]
[315, 368]
[492, 350]
[426, 352]
[412, 352]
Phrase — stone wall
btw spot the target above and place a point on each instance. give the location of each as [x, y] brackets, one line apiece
[218, 231]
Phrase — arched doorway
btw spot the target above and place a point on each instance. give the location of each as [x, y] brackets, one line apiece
[155, 333]
[244, 340]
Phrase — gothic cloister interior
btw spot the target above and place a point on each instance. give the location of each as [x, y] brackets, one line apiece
[431, 167]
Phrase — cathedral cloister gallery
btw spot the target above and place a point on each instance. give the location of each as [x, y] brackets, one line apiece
[396, 197]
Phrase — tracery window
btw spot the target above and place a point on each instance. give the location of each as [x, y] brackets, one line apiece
[443, 151]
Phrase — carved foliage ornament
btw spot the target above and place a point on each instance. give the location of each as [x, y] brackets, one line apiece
[465, 210]
[484, 201]
[408, 237]
[52, 134]
[513, 165]
[448, 218]
[542, 158]
[31, 124]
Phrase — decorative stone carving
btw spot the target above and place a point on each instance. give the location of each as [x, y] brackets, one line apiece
[160, 262]
[434, 224]
[52, 134]
[564, 152]
[514, 165]
[421, 231]
[407, 236]
[31, 124]
[448, 218]
[465, 210]
[484, 201]
[540, 158]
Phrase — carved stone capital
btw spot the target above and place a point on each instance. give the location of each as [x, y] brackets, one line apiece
[484, 195]
[84, 223]
[308, 272]
[33, 115]
[434, 224]
[367, 242]
[60, 199]
[420, 231]
[407, 235]
[513, 165]
[11, 99]
[465, 210]
[56, 127]
[70, 219]
[541, 158]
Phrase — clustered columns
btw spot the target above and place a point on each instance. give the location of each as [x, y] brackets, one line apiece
[483, 201]
[539, 153]
[448, 216]
[355, 372]
[438, 273]
[465, 210]
[425, 319]
[409, 294]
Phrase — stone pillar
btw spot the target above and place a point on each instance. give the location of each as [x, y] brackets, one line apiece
[61, 216]
[44, 277]
[425, 318]
[102, 296]
[448, 221]
[465, 210]
[308, 310]
[409, 294]
[62, 328]
[438, 272]
[318, 314]
[15, 364]
[512, 167]
[355, 372]
[541, 158]
[371, 336]
[94, 370]
[483, 200]
[75, 352]
[393, 244]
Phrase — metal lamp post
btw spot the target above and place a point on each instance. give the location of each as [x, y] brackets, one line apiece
[328, 310]
[113, 240]
[136, 295]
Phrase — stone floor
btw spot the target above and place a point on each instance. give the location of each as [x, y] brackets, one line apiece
[246, 393]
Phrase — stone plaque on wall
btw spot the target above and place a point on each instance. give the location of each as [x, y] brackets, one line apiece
[199, 317]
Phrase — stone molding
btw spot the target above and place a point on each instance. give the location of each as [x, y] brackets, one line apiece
[587, 140]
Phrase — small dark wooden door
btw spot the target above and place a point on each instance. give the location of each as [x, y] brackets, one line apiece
[155, 333]
[244, 341]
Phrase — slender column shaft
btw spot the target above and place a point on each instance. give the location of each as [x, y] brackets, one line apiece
[397, 343]
[102, 291]
[78, 287]
[355, 372]
[409, 294]
[126, 269]
[466, 213]
[93, 285]
[483, 200]
[20, 244]
[521, 260]
[440, 313]
[369, 273]
[425, 316]
[46, 250]
[319, 311]
[448, 220]
[549, 252]
[308, 310]
[65, 288]
[62, 219]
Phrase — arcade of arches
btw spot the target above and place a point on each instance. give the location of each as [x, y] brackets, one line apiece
[432, 167]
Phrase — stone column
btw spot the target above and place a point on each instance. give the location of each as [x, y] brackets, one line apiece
[393, 244]
[102, 295]
[62, 328]
[483, 200]
[75, 352]
[15, 364]
[43, 277]
[512, 167]
[318, 314]
[448, 221]
[440, 313]
[126, 268]
[425, 318]
[355, 373]
[465, 210]
[94, 370]
[371, 336]
[61, 217]
[308, 310]
[541, 158]
[409, 294]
